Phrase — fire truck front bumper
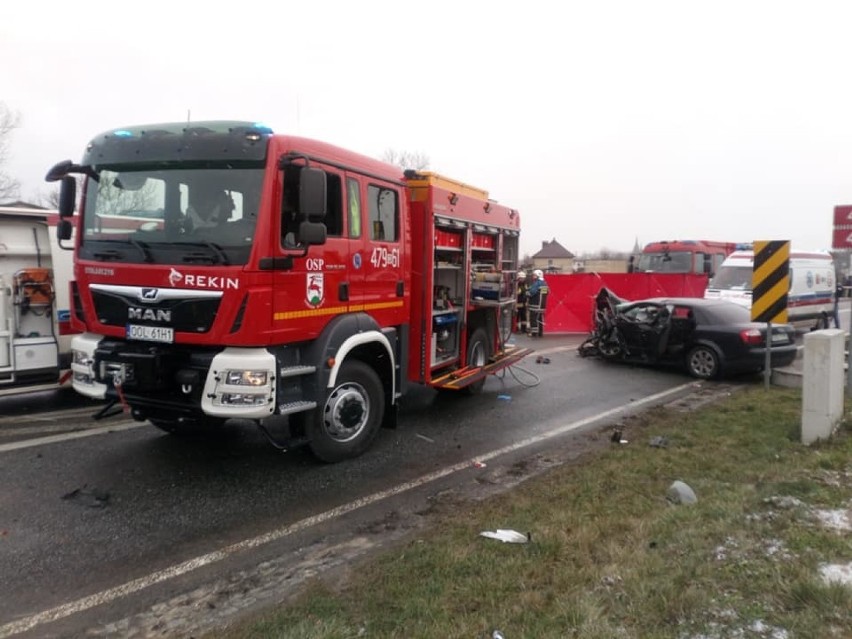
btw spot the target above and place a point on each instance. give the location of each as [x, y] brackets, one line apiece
[227, 383]
[82, 366]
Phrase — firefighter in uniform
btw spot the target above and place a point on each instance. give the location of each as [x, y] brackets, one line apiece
[537, 295]
[521, 319]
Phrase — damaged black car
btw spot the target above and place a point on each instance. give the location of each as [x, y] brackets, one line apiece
[706, 338]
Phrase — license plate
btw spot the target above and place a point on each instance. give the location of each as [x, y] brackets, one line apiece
[151, 333]
[779, 338]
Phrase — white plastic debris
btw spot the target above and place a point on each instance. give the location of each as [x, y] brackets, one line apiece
[680, 493]
[507, 536]
[837, 573]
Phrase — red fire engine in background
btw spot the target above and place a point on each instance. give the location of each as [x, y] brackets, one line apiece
[682, 256]
[223, 271]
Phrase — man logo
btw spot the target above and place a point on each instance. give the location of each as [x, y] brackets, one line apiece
[149, 294]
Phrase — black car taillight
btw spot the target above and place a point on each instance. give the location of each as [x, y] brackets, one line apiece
[751, 337]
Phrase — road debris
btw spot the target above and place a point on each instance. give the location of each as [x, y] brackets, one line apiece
[681, 493]
[617, 436]
[93, 498]
[507, 536]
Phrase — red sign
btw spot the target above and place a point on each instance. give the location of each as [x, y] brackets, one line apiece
[842, 237]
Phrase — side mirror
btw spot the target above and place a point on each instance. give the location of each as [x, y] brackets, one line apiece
[63, 230]
[58, 171]
[630, 266]
[67, 196]
[312, 233]
[312, 194]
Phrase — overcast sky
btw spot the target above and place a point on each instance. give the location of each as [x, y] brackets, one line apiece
[601, 122]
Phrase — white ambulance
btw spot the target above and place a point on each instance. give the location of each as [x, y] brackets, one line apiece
[34, 302]
[810, 299]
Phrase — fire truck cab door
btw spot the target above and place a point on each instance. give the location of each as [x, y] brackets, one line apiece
[377, 249]
[327, 279]
[316, 288]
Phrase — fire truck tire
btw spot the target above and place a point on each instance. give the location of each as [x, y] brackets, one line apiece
[478, 354]
[210, 426]
[346, 423]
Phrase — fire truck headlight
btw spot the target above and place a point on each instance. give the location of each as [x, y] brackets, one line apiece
[246, 378]
[82, 378]
[80, 357]
[244, 399]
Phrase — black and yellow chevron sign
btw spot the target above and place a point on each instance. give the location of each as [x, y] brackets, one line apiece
[770, 281]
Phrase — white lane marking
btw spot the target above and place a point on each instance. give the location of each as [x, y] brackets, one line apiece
[107, 596]
[52, 439]
[59, 414]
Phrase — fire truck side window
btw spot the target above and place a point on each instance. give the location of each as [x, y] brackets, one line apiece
[353, 191]
[383, 208]
[291, 219]
[334, 205]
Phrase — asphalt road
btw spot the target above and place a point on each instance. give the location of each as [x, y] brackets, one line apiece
[105, 532]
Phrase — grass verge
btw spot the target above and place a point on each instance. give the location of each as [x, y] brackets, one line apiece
[611, 557]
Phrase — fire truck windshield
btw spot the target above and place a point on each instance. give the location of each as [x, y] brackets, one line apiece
[670, 262]
[171, 216]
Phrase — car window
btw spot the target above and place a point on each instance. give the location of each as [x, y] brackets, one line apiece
[722, 313]
[642, 313]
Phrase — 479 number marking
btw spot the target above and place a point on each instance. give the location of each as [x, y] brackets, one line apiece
[381, 257]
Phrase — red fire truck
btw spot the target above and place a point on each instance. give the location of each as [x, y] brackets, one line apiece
[682, 256]
[223, 271]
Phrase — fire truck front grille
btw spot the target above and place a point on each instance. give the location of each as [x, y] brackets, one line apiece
[190, 316]
[159, 373]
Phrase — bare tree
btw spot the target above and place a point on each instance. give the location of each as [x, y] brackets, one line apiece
[406, 159]
[9, 121]
[115, 199]
[49, 196]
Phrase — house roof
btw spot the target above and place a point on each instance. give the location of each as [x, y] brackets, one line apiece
[553, 250]
[18, 204]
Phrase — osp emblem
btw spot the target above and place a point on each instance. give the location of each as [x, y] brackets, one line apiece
[315, 289]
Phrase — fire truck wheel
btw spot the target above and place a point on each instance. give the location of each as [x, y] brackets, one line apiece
[209, 426]
[478, 354]
[348, 421]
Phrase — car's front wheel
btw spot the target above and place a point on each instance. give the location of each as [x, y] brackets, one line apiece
[703, 362]
[610, 348]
